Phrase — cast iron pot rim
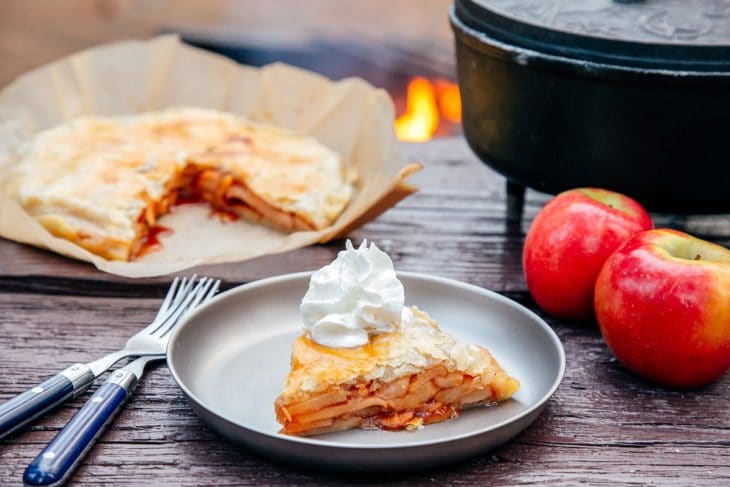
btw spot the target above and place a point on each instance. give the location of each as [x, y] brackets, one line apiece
[481, 41]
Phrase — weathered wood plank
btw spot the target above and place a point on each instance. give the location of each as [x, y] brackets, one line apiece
[603, 426]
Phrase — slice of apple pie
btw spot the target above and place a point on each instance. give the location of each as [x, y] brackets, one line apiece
[401, 379]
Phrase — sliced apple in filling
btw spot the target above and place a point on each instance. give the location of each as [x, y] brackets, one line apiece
[401, 380]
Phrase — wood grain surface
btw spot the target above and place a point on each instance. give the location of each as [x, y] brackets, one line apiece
[603, 426]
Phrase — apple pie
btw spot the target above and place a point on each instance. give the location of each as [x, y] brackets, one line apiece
[102, 183]
[404, 379]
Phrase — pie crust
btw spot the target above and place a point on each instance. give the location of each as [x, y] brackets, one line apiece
[104, 182]
[401, 380]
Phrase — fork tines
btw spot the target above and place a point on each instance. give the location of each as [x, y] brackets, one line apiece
[184, 295]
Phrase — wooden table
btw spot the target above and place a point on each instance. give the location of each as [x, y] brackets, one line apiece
[603, 426]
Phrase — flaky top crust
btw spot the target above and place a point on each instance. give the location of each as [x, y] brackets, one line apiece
[93, 177]
[417, 345]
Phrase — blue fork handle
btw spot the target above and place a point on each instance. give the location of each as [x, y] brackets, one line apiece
[29, 405]
[58, 460]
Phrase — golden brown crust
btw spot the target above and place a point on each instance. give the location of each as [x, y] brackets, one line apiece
[414, 376]
[102, 183]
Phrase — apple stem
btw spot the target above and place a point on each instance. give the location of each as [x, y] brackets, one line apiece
[697, 257]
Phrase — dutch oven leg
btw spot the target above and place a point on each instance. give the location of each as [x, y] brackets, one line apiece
[515, 201]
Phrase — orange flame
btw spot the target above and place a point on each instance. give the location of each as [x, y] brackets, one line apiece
[421, 119]
[449, 100]
[424, 101]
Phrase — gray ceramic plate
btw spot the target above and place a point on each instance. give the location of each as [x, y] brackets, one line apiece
[231, 357]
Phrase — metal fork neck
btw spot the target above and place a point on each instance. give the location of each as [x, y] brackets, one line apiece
[100, 366]
[137, 367]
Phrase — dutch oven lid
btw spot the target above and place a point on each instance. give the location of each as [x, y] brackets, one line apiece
[687, 35]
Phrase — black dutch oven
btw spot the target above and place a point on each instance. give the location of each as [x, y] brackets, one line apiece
[630, 96]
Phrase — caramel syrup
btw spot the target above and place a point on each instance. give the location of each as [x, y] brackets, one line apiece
[151, 241]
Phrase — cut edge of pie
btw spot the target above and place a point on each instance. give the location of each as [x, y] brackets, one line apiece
[414, 376]
[220, 189]
[212, 166]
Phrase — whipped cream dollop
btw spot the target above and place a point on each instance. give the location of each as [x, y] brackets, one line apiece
[355, 296]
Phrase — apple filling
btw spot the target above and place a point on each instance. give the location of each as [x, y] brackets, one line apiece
[223, 192]
[431, 396]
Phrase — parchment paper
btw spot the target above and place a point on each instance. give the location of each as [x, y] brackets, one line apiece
[349, 116]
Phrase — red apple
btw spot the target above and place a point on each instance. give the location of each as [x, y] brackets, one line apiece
[570, 239]
[663, 306]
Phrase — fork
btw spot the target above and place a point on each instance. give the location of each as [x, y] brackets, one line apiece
[55, 464]
[29, 405]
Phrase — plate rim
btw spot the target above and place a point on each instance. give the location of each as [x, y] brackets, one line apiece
[313, 441]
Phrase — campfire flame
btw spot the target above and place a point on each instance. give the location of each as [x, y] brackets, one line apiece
[426, 103]
[449, 100]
